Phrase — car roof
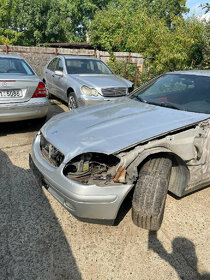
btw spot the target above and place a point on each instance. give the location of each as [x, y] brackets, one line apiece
[10, 56]
[77, 57]
[193, 72]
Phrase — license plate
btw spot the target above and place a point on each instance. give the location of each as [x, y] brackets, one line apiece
[11, 93]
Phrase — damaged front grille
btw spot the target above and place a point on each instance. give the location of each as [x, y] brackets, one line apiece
[50, 153]
[113, 92]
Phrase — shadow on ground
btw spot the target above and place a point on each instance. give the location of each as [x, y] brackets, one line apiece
[30, 125]
[183, 257]
[32, 243]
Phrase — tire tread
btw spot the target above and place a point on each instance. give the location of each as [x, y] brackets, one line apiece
[150, 193]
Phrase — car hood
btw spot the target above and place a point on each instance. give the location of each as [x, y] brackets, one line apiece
[112, 126]
[101, 81]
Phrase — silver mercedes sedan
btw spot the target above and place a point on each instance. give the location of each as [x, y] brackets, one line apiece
[81, 81]
[22, 93]
[155, 141]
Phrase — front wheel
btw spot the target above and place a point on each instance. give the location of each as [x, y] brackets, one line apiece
[150, 193]
[72, 101]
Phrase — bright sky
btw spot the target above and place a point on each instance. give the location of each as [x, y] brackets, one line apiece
[195, 9]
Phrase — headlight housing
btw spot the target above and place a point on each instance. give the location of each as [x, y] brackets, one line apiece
[89, 91]
[92, 168]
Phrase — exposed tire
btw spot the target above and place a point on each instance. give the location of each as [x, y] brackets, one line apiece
[150, 193]
[72, 101]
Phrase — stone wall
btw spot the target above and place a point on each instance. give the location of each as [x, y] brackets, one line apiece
[38, 57]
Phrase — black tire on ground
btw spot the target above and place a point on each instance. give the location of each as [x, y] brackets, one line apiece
[150, 193]
[72, 101]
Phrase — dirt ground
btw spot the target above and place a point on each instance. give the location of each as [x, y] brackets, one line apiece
[39, 239]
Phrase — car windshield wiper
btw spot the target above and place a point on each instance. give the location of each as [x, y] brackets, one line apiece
[165, 104]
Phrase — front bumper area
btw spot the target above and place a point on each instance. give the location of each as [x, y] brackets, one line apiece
[89, 203]
[90, 100]
[32, 109]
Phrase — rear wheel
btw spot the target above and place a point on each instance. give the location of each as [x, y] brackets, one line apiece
[150, 193]
[72, 101]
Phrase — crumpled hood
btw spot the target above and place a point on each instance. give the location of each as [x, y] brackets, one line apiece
[113, 125]
[101, 81]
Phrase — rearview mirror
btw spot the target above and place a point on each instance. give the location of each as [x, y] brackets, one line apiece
[59, 73]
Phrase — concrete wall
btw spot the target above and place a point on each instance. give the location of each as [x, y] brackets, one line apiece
[38, 57]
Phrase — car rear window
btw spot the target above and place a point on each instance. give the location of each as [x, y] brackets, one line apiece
[14, 66]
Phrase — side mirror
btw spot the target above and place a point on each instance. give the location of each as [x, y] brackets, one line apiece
[59, 73]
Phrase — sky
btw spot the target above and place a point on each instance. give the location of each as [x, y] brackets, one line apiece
[195, 9]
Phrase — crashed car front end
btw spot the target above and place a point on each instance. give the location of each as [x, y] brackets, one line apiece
[93, 185]
[82, 185]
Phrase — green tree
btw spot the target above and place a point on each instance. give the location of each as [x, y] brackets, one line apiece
[129, 28]
[30, 22]
[206, 49]
[45, 21]
[79, 14]
[166, 9]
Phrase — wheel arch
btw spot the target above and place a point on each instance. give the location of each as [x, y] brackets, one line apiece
[70, 90]
[180, 174]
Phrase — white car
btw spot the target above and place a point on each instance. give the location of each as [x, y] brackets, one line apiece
[81, 81]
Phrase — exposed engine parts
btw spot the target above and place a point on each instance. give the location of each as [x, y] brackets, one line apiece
[91, 168]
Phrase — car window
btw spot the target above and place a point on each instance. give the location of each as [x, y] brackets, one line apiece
[170, 84]
[181, 91]
[51, 66]
[59, 66]
[14, 66]
[86, 66]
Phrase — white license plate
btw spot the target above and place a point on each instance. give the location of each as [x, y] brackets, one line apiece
[11, 93]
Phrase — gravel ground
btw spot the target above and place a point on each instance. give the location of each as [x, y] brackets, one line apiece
[39, 239]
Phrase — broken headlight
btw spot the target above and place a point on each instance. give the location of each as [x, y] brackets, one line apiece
[92, 168]
[50, 153]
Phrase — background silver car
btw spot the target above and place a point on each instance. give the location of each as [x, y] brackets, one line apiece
[156, 140]
[22, 93]
[81, 81]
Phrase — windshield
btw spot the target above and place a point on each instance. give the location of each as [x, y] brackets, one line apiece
[178, 91]
[86, 66]
[14, 66]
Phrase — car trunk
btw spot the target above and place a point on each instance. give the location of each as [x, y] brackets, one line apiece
[17, 88]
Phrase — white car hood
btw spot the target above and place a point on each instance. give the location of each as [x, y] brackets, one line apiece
[112, 126]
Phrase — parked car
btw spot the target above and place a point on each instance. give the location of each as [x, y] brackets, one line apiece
[22, 93]
[156, 140]
[81, 81]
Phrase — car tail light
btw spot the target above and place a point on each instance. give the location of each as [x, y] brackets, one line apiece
[40, 91]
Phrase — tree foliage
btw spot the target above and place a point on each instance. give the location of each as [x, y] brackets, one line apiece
[132, 28]
[30, 22]
[206, 49]
[37, 20]
[79, 14]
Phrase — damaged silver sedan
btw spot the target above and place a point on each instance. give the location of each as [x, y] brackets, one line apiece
[155, 141]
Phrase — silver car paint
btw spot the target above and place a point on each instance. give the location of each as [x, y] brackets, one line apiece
[132, 131]
[59, 85]
[79, 199]
[16, 109]
[83, 200]
[126, 120]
